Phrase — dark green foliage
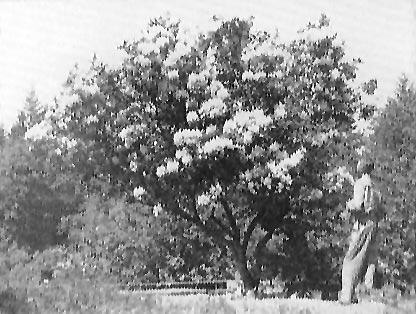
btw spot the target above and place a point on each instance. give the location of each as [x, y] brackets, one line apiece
[393, 148]
[139, 247]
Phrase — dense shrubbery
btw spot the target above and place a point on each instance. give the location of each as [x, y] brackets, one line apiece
[393, 147]
[139, 247]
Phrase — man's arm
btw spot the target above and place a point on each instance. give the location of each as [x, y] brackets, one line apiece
[358, 198]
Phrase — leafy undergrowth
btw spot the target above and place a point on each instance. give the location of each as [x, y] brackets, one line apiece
[75, 286]
[83, 301]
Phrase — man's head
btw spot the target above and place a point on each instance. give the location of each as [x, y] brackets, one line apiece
[365, 167]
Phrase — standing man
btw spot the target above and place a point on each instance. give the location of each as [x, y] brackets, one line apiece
[361, 256]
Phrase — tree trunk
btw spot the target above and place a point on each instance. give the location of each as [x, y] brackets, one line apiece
[250, 282]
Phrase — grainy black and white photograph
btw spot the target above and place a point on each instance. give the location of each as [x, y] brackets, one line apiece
[207, 157]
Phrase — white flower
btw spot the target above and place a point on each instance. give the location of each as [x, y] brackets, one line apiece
[141, 60]
[186, 159]
[160, 171]
[364, 127]
[162, 41]
[217, 144]
[212, 108]
[267, 48]
[218, 90]
[172, 166]
[249, 75]
[211, 129]
[280, 170]
[133, 166]
[173, 74]
[335, 74]
[139, 192]
[203, 200]
[254, 128]
[91, 119]
[184, 156]
[250, 186]
[124, 133]
[339, 175]
[192, 116]
[316, 194]
[195, 78]
[157, 209]
[181, 49]
[229, 126]
[294, 159]
[247, 137]
[38, 131]
[275, 147]
[91, 88]
[322, 137]
[279, 111]
[250, 120]
[222, 93]
[267, 181]
[215, 190]
[187, 136]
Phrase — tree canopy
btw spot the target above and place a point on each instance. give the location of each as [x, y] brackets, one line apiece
[246, 137]
[392, 147]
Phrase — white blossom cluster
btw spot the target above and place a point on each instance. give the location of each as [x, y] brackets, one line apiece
[217, 144]
[209, 196]
[211, 129]
[363, 127]
[203, 200]
[157, 209]
[210, 61]
[170, 167]
[279, 110]
[38, 131]
[91, 119]
[195, 78]
[138, 192]
[315, 194]
[192, 116]
[209, 71]
[154, 38]
[212, 108]
[184, 156]
[267, 48]
[181, 49]
[173, 74]
[133, 162]
[128, 134]
[187, 136]
[218, 90]
[280, 169]
[141, 60]
[85, 81]
[253, 76]
[247, 123]
[322, 137]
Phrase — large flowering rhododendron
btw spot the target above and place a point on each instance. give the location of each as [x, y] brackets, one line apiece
[243, 135]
